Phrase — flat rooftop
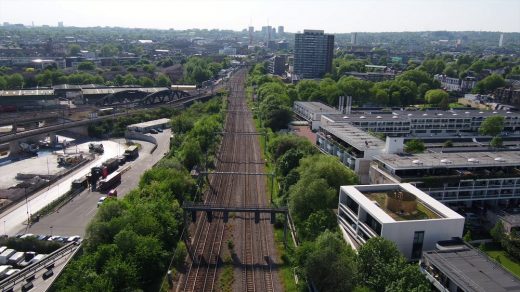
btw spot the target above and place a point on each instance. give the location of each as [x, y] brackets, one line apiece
[356, 137]
[472, 270]
[408, 115]
[119, 89]
[450, 160]
[372, 198]
[43, 92]
[150, 123]
[316, 107]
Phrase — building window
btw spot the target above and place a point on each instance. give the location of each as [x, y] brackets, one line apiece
[373, 224]
[352, 205]
[418, 239]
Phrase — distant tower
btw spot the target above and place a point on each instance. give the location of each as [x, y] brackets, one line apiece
[281, 30]
[353, 38]
[32, 23]
[501, 40]
[251, 31]
[60, 24]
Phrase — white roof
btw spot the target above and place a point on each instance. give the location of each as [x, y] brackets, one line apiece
[356, 192]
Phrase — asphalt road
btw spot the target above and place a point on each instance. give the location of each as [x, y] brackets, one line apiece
[73, 218]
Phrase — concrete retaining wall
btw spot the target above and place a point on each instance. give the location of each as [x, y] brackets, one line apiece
[139, 136]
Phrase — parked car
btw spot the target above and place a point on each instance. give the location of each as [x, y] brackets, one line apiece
[153, 131]
[43, 237]
[160, 130]
[74, 238]
[101, 200]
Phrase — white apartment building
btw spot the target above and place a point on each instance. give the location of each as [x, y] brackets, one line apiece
[400, 213]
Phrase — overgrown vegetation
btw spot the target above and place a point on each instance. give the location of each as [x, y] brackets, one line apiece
[130, 242]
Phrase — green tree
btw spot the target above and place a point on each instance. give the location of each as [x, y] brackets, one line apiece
[496, 142]
[497, 232]
[414, 146]
[489, 84]
[129, 79]
[190, 153]
[328, 262]
[109, 50]
[308, 89]
[74, 49]
[163, 80]
[87, 65]
[492, 126]
[467, 236]
[146, 82]
[15, 81]
[435, 96]
[378, 264]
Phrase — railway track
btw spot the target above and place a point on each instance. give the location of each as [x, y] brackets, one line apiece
[253, 242]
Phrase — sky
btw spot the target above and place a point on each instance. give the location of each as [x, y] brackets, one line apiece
[333, 16]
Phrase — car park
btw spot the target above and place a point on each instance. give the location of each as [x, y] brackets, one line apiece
[74, 238]
[43, 237]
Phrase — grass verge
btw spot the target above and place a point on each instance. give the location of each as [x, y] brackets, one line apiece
[226, 279]
[499, 255]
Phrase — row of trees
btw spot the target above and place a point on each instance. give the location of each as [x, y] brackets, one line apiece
[378, 266]
[55, 77]
[198, 69]
[309, 182]
[408, 88]
[130, 242]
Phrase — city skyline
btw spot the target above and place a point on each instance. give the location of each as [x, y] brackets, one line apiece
[341, 16]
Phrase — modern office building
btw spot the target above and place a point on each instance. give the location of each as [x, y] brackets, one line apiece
[454, 178]
[400, 213]
[276, 65]
[313, 53]
[281, 30]
[312, 112]
[353, 38]
[355, 148]
[455, 266]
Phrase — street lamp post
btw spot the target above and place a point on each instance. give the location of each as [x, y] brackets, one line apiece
[27, 205]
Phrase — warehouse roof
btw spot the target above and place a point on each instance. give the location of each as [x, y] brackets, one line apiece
[150, 123]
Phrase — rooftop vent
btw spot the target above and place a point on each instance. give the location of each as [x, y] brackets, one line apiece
[473, 160]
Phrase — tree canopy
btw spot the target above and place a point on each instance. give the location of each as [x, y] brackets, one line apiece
[492, 126]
